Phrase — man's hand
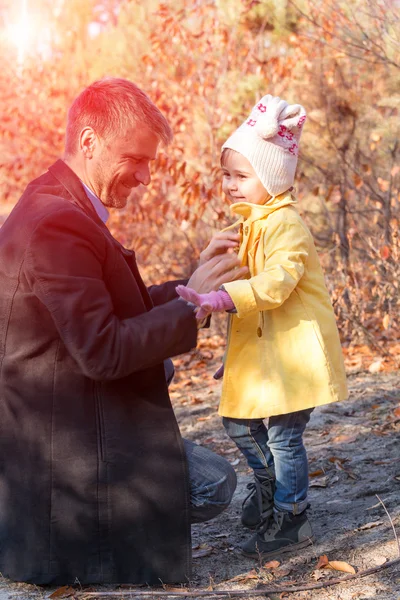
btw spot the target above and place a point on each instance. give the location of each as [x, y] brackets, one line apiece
[216, 271]
[222, 242]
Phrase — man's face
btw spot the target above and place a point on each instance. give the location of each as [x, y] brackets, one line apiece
[122, 163]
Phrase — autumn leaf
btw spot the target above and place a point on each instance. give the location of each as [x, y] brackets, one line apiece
[384, 251]
[63, 592]
[272, 564]
[336, 565]
[202, 551]
[245, 576]
[336, 459]
[358, 182]
[376, 366]
[316, 473]
[322, 562]
[339, 565]
[317, 574]
[321, 482]
[344, 439]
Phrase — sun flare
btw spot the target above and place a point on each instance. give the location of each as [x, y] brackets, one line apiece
[20, 32]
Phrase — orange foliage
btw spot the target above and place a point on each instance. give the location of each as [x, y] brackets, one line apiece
[205, 65]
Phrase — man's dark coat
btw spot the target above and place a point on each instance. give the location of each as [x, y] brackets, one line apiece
[93, 478]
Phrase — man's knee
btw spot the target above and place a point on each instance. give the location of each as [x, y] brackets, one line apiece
[212, 481]
[226, 483]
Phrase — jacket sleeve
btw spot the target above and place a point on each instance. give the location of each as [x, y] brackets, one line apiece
[64, 267]
[286, 248]
[165, 292]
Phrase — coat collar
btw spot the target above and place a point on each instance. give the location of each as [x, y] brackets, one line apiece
[71, 182]
[253, 212]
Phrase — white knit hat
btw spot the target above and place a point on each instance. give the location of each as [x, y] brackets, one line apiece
[269, 139]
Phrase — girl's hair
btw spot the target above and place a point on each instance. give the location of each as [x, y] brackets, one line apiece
[111, 106]
[224, 155]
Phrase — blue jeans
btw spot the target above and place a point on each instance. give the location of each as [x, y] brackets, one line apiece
[279, 450]
[212, 479]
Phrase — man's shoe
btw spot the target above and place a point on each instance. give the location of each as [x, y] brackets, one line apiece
[259, 503]
[282, 532]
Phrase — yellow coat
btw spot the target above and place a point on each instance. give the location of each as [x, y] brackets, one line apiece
[283, 352]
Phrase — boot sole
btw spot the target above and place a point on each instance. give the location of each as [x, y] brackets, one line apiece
[284, 550]
[251, 527]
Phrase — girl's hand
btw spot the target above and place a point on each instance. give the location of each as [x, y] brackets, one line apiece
[222, 242]
[207, 303]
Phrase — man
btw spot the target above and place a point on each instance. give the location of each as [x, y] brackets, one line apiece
[96, 483]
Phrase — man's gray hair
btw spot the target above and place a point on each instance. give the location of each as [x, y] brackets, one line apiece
[111, 106]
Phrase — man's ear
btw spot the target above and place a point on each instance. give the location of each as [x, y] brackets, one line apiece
[87, 142]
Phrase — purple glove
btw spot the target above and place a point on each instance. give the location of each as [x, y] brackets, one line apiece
[208, 303]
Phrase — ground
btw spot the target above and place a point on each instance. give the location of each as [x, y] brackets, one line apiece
[353, 450]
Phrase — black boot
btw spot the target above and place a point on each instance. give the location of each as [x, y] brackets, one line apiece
[258, 504]
[281, 532]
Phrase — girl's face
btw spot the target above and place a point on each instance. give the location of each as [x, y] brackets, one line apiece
[240, 182]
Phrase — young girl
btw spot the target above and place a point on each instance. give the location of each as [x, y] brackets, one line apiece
[283, 353]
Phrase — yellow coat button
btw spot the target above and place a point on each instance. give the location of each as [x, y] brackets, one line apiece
[259, 331]
[246, 230]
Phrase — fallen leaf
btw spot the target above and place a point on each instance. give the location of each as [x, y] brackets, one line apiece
[322, 482]
[195, 400]
[346, 439]
[316, 473]
[339, 565]
[376, 366]
[63, 592]
[272, 564]
[322, 562]
[335, 459]
[396, 412]
[318, 574]
[282, 571]
[235, 462]
[245, 576]
[201, 552]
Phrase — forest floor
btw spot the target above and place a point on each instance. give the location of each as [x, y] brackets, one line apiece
[354, 457]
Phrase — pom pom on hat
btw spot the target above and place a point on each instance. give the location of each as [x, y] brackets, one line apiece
[269, 139]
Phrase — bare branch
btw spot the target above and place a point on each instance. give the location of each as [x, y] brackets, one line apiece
[258, 591]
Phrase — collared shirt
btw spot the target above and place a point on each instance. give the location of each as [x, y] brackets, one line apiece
[98, 206]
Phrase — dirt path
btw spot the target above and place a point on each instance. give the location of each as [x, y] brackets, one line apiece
[354, 455]
[354, 452]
